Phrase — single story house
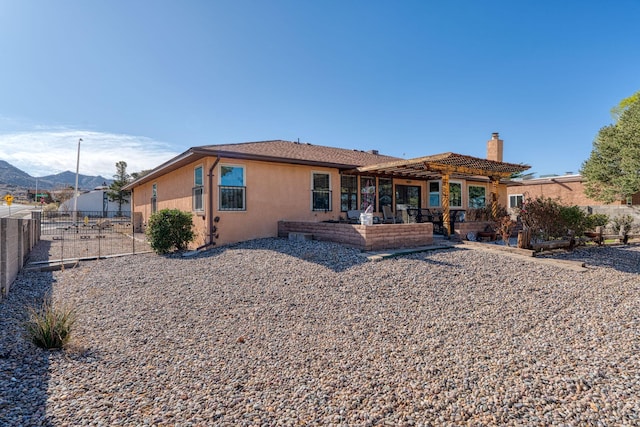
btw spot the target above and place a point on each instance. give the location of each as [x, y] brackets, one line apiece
[569, 189]
[243, 191]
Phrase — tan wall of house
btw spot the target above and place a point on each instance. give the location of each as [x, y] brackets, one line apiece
[274, 192]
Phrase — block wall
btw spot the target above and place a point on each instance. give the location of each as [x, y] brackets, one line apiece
[365, 237]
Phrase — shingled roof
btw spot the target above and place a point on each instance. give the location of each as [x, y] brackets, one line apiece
[297, 152]
[272, 151]
[350, 161]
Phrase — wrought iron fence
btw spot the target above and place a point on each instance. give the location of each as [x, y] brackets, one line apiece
[89, 234]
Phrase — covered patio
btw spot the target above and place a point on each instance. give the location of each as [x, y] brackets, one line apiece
[442, 167]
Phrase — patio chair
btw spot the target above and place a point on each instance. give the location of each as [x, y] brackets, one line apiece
[389, 217]
[353, 216]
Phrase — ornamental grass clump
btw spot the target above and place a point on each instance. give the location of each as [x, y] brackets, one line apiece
[49, 327]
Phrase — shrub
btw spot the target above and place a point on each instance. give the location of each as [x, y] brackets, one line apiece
[50, 327]
[622, 226]
[485, 214]
[504, 227]
[597, 220]
[574, 219]
[542, 216]
[170, 229]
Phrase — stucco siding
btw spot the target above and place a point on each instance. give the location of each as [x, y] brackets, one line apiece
[274, 192]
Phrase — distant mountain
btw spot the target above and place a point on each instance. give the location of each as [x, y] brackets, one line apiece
[10, 175]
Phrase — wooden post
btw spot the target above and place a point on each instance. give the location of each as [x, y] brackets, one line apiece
[599, 237]
[494, 197]
[445, 204]
[524, 239]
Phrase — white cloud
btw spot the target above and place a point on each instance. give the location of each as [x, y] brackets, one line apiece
[42, 153]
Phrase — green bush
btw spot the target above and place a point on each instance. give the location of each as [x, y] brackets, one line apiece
[50, 327]
[574, 219]
[597, 220]
[549, 219]
[170, 229]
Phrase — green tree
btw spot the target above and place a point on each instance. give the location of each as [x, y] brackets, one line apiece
[612, 171]
[136, 175]
[116, 193]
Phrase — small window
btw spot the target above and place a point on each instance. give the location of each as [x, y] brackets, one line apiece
[434, 194]
[348, 193]
[477, 197]
[232, 188]
[197, 193]
[515, 201]
[198, 177]
[321, 192]
[455, 195]
[198, 199]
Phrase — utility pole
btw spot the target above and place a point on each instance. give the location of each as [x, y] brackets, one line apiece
[75, 199]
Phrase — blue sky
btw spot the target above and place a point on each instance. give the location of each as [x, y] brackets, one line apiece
[142, 81]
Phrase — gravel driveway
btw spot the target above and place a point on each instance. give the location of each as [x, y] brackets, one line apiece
[273, 332]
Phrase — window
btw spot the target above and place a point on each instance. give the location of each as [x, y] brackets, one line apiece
[197, 193]
[320, 192]
[477, 197]
[154, 198]
[515, 201]
[434, 194]
[385, 192]
[348, 193]
[455, 195]
[367, 192]
[232, 188]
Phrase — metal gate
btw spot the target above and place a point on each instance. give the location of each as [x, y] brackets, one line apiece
[89, 234]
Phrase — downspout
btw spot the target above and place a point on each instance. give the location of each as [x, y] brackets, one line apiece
[210, 222]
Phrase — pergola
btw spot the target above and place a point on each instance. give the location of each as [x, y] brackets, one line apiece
[443, 166]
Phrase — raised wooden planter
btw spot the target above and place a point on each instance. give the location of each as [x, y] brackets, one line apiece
[552, 244]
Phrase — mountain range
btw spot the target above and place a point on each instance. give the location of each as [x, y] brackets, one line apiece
[14, 177]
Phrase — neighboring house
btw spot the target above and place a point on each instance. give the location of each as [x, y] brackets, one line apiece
[95, 203]
[569, 189]
[240, 191]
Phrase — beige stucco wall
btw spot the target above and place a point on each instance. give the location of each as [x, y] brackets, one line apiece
[275, 192]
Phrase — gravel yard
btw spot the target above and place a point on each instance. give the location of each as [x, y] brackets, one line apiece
[273, 332]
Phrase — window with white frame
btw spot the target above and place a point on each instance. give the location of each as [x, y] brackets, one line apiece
[477, 196]
[434, 194]
[515, 200]
[154, 198]
[455, 194]
[320, 191]
[197, 195]
[232, 188]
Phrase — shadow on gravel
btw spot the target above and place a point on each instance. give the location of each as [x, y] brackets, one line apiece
[427, 257]
[622, 258]
[41, 251]
[331, 255]
[24, 368]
